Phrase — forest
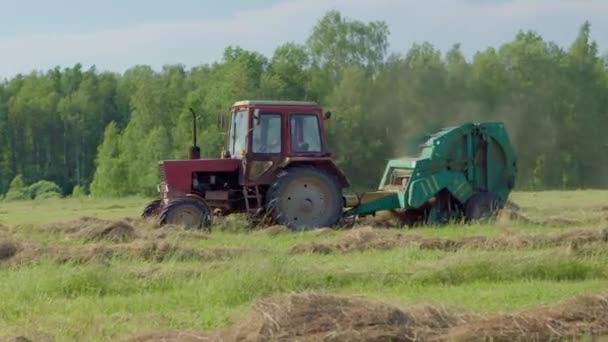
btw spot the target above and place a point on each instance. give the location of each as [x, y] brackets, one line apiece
[104, 132]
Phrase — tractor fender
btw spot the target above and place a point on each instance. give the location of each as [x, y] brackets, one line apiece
[198, 198]
[326, 164]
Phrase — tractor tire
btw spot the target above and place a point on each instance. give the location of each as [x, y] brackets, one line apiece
[152, 209]
[187, 212]
[304, 198]
[482, 206]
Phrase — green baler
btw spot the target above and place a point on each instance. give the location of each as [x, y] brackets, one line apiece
[464, 172]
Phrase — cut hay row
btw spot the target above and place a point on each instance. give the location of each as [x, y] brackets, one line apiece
[323, 317]
[105, 239]
[366, 238]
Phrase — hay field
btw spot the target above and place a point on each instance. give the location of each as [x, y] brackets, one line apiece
[84, 269]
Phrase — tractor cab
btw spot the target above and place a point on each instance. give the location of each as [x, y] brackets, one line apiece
[268, 135]
[276, 128]
[275, 161]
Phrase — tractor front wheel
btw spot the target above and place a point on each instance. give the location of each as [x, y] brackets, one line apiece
[187, 212]
[152, 209]
[305, 197]
[482, 206]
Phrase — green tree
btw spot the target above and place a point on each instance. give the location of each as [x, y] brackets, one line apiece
[337, 42]
[288, 74]
[17, 190]
[109, 179]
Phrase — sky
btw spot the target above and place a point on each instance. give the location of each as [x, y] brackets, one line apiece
[117, 34]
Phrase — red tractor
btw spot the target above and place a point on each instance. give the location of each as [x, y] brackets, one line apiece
[275, 164]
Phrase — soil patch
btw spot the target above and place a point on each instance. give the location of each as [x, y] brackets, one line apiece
[8, 249]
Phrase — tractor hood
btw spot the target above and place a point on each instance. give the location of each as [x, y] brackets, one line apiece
[176, 175]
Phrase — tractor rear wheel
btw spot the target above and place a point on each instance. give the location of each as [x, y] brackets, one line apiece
[305, 197]
[188, 212]
[152, 209]
[482, 206]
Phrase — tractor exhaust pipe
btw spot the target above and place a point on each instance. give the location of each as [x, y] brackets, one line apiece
[195, 151]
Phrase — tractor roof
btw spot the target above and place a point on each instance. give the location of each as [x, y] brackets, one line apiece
[273, 103]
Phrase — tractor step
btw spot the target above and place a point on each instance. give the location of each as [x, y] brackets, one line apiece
[247, 195]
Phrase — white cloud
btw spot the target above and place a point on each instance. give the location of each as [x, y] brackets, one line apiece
[442, 22]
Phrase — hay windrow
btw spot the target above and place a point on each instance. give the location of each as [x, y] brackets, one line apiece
[585, 315]
[116, 232]
[171, 336]
[319, 317]
[74, 226]
[274, 230]
[366, 238]
[26, 253]
[510, 215]
[93, 230]
[323, 317]
[160, 251]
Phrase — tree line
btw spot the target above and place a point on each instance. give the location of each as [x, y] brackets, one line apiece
[103, 132]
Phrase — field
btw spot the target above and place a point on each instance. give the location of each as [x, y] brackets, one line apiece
[84, 269]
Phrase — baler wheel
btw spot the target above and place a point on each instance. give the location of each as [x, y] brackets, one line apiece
[482, 206]
[188, 212]
[305, 197]
[152, 209]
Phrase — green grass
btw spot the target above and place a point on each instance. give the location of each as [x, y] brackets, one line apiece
[52, 210]
[126, 296]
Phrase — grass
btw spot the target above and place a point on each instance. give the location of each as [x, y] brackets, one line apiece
[129, 295]
[46, 211]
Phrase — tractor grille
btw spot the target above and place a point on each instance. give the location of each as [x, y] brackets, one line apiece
[162, 185]
[161, 173]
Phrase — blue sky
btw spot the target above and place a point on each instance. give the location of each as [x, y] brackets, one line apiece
[115, 35]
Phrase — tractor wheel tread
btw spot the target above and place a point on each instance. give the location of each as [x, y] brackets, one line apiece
[152, 209]
[200, 206]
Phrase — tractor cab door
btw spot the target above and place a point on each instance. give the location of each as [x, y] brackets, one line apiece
[306, 138]
[266, 145]
[237, 137]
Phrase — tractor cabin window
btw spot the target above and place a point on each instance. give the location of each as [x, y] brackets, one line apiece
[238, 133]
[305, 136]
[267, 133]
